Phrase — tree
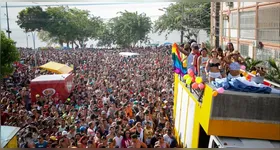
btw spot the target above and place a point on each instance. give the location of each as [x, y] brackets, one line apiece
[9, 55]
[60, 24]
[130, 28]
[45, 37]
[184, 16]
[249, 63]
[106, 37]
[273, 72]
[32, 19]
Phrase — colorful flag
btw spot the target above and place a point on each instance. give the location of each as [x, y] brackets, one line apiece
[177, 62]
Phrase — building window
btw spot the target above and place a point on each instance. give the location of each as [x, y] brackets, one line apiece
[244, 50]
[266, 53]
[233, 24]
[225, 31]
[269, 24]
[233, 20]
[247, 25]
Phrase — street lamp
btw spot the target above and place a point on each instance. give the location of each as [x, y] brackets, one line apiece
[33, 37]
[27, 35]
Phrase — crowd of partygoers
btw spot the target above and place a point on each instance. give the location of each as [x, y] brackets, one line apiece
[117, 101]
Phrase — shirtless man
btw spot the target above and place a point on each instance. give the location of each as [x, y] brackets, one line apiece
[135, 143]
[64, 142]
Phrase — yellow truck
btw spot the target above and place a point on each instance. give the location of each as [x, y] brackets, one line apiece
[231, 119]
[9, 137]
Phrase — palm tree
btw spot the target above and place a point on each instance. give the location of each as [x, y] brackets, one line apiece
[250, 62]
[274, 71]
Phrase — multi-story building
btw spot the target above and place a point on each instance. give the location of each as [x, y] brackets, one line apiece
[252, 27]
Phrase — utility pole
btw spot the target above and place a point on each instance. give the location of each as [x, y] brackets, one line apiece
[8, 24]
[182, 24]
[27, 35]
[35, 57]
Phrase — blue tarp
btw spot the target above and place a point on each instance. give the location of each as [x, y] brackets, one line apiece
[167, 43]
[239, 84]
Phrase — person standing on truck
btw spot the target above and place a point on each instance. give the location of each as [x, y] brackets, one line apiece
[213, 66]
[192, 58]
[201, 64]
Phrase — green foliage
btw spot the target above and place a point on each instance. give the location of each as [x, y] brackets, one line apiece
[130, 28]
[9, 55]
[71, 25]
[60, 24]
[249, 63]
[106, 37]
[190, 17]
[32, 19]
[273, 72]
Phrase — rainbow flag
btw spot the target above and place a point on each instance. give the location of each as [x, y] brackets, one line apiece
[177, 61]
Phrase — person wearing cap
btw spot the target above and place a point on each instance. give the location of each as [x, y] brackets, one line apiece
[201, 64]
[64, 142]
[192, 57]
[136, 143]
[41, 143]
[234, 60]
[213, 66]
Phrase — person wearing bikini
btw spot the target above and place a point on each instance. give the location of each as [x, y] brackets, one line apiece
[213, 66]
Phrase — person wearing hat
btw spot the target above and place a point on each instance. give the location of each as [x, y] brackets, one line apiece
[234, 60]
[41, 143]
[213, 66]
[201, 64]
[64, 141]
[192, 57]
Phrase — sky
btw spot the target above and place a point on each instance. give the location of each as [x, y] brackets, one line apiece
[105, 10]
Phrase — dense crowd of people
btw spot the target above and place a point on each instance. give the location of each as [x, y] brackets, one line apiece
[117, 102]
